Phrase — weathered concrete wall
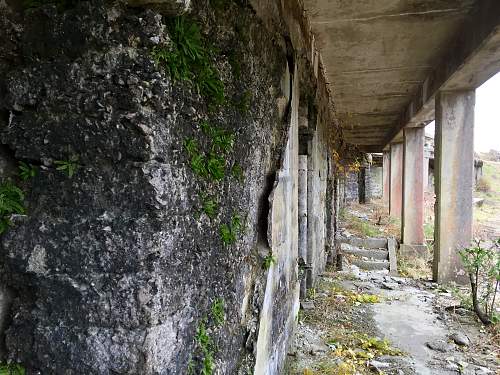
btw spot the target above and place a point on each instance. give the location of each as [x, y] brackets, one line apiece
[114, 269]
[376, 182]
[351, 187]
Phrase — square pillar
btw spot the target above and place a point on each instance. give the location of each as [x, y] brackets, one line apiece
[453, 166]
[396, 178]
[412, 223]
[386, 175]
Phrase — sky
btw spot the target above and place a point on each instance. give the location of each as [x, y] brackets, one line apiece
[486, 116]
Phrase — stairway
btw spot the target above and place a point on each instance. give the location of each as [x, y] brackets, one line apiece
[371, 254]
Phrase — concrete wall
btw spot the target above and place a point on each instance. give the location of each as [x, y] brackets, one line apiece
[376, 182]
[115, 268]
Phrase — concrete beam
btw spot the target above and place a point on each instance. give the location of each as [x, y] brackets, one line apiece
[453, 168]
[412, 223]
[396, 189]
[473, 58]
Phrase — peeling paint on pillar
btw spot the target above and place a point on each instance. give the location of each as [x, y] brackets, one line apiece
[453, 165]
[412, 224]
[396, 189]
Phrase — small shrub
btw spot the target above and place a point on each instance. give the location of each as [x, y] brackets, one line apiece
[269, 260]
[218, 311]
[209, 206]
[69, 166]
[237, 172]
[11, 202]
[205, 345]
[229, 232]
[189, 59]
[12, 369]
[26, 171]
[483, 267]
[483, 185]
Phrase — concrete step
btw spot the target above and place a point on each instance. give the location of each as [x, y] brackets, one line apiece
[369, 265]
[360, 253]
[366, 243]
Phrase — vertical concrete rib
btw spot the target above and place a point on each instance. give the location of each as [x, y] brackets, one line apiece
[454, 161]
[412, 223]
[396, 189]
[386, 175]
[303, 218]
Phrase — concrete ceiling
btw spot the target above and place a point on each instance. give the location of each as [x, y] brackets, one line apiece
[377, 55]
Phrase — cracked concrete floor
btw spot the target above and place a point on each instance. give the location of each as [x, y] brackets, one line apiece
[414, 316]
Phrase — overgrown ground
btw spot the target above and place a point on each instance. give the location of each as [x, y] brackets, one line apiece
[372, 323]
[487, 215]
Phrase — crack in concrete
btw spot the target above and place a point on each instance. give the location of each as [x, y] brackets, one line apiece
[395, 15]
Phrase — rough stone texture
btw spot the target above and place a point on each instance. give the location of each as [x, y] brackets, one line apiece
[113, 268]
[396, 190]
[454, 158]
[412, 223]
[351, 189]
[376, 182]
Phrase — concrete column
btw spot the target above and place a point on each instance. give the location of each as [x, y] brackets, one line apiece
[386, 177]
[412, 223]
[303, 221]
[396, 178]
[426, 173]
[453, 168]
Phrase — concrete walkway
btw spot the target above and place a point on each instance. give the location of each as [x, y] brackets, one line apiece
[411, 314]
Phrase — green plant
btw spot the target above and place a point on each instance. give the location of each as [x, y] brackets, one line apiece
[26, 171]
[209, 206]
[483, 267]
[222, 140]
[215, 166]
[229, 232]
[189, 59]
[218, 311]
[12, 369]
[237, 172]
[483, 185]
[205, 344]
[269, 260]
[69, 166]
[11, 202]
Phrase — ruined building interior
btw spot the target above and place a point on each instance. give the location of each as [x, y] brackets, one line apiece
[173, 171]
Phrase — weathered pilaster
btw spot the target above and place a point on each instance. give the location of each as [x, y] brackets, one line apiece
[412, 224]
[396, 178]
[386, 177]
[453, 166]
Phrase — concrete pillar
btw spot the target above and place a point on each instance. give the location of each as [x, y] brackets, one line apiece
[396, 179]
[412, 221]
[303, 220]
[453, 168]
[426, 173]
[386, 177]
